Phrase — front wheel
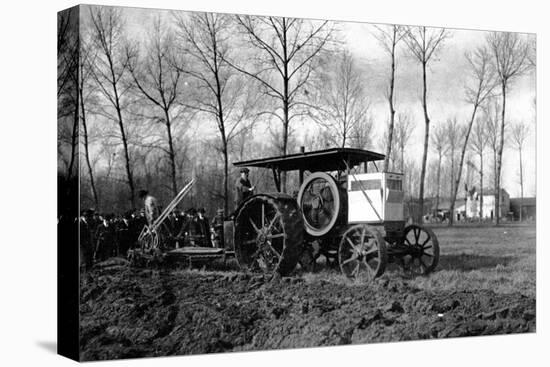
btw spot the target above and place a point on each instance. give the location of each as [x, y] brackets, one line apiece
[362, 252]
[422, 255]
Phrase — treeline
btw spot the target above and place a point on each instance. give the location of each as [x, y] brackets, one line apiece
[185, 94]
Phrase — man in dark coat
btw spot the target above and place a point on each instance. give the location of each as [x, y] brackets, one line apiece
[203, 227]
[243, 187]
[86, 223]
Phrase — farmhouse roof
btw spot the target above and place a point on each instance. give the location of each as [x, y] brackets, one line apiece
[320, 160]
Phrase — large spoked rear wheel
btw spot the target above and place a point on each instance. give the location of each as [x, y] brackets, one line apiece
[269, 234]
[362, 253]
[422, 246]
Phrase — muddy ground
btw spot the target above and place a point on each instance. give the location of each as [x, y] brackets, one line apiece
[129, 313]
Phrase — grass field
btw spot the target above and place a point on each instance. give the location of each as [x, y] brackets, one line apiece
[473, 257]
[502, 259]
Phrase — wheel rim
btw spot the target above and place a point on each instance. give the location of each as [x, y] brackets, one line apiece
[422, 250]
[320, 203]
[262, 236]
[361, 253]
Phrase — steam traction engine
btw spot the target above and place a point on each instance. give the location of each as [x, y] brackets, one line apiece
[351, 216]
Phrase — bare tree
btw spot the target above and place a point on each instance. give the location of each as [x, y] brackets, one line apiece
[480, 88]
[110, 69]
[440, 145]
[520, 131]
[478, 143]
[389, 38]
[423, 44]
[510, 58]
[341, 102]
[223, 94]
[86, 92]
[289, 50]
[67, 89]
[160, 83]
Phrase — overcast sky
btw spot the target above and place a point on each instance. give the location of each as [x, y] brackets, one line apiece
[446, 80]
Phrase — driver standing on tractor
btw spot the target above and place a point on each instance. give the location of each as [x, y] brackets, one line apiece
[243, 187]
[150, 205]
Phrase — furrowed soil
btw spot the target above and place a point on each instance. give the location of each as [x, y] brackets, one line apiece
[129, 313]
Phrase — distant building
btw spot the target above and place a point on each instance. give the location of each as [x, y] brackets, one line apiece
[473, 202]
[528, 208]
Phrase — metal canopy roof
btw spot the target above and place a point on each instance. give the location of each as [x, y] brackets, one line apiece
[320, 160]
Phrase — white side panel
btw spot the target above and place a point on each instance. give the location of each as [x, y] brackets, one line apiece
[359, 208]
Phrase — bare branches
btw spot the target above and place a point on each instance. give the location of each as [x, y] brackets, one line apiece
[519, 133]
[482, 75]
[110, 67]
[341, 103]
[389, 37]
[424, 43]
[510, 53]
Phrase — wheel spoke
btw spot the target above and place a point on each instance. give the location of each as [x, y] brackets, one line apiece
[426, 247]
[427, 239]
[256, 254]
[253, 225]
[273, 221]
[356, 270]
[273, 249]
[352, 244]
[352, 258]
[278, 235]
[371, 251]
[369, 269]
[249, 242]
[363, 235]
[263, 214]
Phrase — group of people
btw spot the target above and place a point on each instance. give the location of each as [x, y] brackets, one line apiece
[106, 235]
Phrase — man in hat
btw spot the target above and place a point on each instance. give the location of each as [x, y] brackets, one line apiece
[150, 205]
[243, 187]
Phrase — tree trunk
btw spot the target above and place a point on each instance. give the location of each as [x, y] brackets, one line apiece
[392, 111]
[461, 162]
[87, 151]
[500, 149]
[481, 185]
[438, 183]
[286, 101]
[426, 142]
[521, 186]
[225, 179]
[126, 158]
[171, 154]
[74, 141]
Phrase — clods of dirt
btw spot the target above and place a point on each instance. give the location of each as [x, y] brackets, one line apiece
[136, 313]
